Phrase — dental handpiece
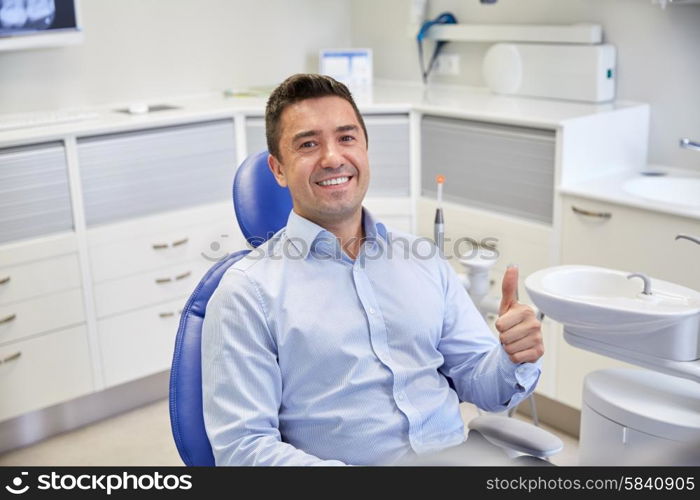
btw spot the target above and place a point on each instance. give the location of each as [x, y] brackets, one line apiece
[439, 229]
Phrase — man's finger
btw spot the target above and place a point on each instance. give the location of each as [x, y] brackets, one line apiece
[509, 289]
[528, 326]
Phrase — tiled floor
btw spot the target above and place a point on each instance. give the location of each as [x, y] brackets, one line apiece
[142, 437]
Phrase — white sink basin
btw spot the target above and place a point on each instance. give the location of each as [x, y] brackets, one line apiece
[676, 190]
[603, 305]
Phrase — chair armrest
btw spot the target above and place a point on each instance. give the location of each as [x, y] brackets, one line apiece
[517, 435]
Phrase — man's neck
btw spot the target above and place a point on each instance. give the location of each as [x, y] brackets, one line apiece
[350, 232]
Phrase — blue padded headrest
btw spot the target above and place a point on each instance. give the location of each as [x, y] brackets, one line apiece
[262, 206]
[186, 414]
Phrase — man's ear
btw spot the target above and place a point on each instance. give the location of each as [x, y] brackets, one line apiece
[277, 171]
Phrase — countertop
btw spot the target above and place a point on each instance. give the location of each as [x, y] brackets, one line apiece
[610, 189]
[386, 97]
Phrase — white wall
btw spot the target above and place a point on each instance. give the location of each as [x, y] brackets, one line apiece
[657, 53]
[150, 49]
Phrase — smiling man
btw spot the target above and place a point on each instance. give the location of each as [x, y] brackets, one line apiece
[336, 343]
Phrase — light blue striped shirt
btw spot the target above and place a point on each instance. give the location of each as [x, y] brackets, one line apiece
[311, 358]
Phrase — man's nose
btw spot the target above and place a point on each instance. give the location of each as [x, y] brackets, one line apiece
[331, 157]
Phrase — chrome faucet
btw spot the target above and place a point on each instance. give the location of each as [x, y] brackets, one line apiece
[694, 239]
[645, 279]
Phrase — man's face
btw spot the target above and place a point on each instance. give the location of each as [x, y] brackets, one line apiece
[323, 159]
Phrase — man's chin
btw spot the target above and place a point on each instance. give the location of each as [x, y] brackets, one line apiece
[338, 213]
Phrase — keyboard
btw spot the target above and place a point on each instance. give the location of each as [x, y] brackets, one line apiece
[29, 120]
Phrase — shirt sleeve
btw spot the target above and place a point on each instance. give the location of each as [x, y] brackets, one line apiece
[241, 380]
[474, 360]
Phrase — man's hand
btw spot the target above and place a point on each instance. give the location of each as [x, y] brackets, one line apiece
[518, 328]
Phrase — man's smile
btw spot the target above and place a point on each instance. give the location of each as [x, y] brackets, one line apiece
[335, 182]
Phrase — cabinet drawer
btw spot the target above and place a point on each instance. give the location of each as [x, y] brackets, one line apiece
[34, 193]
[630, 240]
[144, 172]
[163, 249]
[45, 371]
[39, 278]
[49, 312]
[142, 290]
[46, 247]
[139, 343]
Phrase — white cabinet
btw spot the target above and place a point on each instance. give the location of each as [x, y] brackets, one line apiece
[45, 370]
[629, 239]
[44, 346]
[139, 267]
[139, 343]
[41, 314]
[38, 277]
[156, 202]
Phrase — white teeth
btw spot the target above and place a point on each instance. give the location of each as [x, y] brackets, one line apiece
[332, 182]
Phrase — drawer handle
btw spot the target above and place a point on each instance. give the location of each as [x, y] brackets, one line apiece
[170, 314]
[686, 143]
[161, 281]
[159, 246]
[588, 213]
[694, 239]
[5, 280]
[180, 242]
[7, 319]
[183, 275]
[11, 357]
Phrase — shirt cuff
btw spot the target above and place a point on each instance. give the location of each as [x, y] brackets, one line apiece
[521, 376]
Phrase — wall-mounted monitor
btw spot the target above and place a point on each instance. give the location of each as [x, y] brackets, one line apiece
[26, 24]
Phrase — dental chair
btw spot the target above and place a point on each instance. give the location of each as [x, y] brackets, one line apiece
[254, 184]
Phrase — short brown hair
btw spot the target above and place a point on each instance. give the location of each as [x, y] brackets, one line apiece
[298, 88]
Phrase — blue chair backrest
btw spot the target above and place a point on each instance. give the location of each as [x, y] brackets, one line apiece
[262, 208]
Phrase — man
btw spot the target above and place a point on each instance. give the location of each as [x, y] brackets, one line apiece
[333, 343]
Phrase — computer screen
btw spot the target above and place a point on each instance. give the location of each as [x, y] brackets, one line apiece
[34, 23]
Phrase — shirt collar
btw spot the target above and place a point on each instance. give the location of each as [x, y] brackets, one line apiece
[305, 235]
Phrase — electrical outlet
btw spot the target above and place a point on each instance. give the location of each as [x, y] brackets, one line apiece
[447, 64]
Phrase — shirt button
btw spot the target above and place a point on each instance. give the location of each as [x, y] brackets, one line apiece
[371, 310]
[400, 396]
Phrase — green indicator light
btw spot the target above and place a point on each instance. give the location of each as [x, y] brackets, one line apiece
[609, 73]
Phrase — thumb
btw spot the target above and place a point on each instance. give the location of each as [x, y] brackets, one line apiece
[509, 289]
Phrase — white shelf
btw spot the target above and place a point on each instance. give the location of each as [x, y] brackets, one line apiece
[574, 33]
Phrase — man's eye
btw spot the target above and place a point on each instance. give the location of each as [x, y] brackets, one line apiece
[347, 138]
[307, 144]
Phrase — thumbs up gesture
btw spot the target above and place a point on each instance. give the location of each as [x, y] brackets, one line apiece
[518, 328]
